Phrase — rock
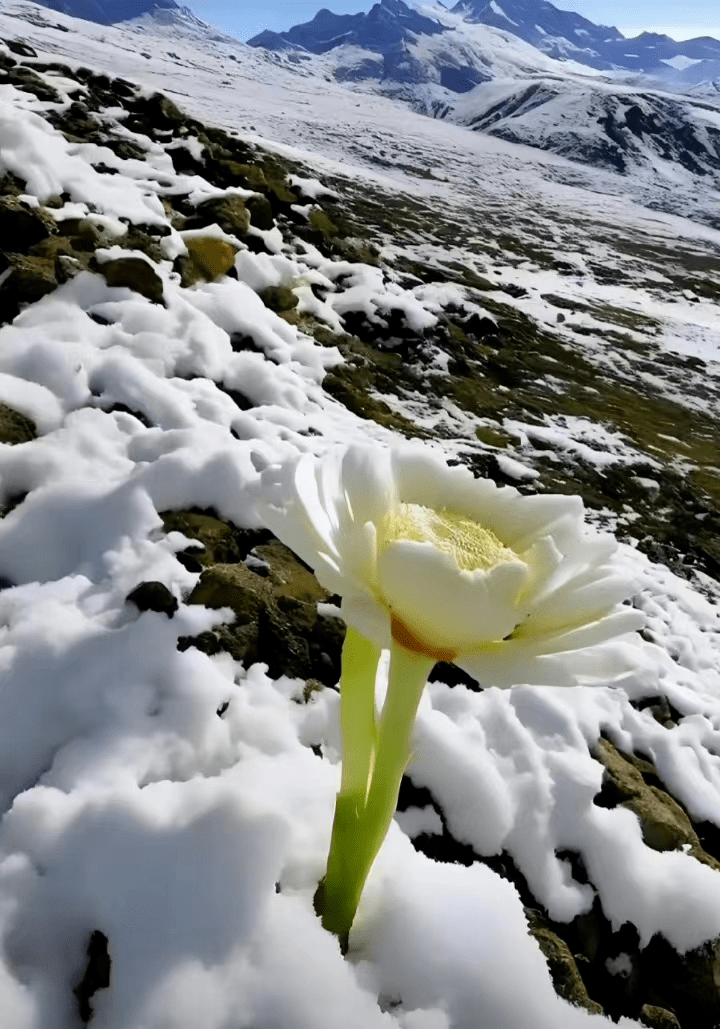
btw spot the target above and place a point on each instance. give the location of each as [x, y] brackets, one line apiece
[276, 619]
[15, 427]
[137, 273]
[665, 825]
[22, 226]
[64, 258]
[30, 279]
[29, 81]
[153, 596]
[11, 185]
[278, 192]
[279, 298]
[76, 123]
[261, 213]
[184, 162]
[16, 46]
[83, 233]
[96, 976]
[208, 258]
[153, 113]
[218, 542]
[563, 969]
[687, 984]
[479, 326]
[229, 212]
[658, 1018]
[226, 172]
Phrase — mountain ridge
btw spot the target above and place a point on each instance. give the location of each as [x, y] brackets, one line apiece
[109, 12]
[562, 35]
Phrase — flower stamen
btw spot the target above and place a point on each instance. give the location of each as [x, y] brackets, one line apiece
[471, 546]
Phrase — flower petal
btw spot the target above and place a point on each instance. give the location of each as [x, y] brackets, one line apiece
[368, 616]
[368, 483]
[446, 608]
[516, 663]
[577, 605]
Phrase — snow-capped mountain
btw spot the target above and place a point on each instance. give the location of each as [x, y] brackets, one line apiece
[406, 53]
[385, 26]
[166, 18]
[564, 35]
[108, 12]
[606, 126]
[516, 73]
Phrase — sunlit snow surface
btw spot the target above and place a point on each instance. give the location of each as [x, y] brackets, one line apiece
[128, 804]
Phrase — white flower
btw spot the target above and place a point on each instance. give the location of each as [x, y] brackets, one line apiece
[509, 587]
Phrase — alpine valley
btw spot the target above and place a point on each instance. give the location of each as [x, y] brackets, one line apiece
[491, 232]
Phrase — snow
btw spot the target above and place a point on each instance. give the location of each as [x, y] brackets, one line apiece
[680, 62]
[195, 842]
[497, 9]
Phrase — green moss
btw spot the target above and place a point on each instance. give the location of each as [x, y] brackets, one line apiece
[320, 222]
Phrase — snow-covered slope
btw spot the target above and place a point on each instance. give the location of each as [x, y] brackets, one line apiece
[598, 124]
[107, 12]
[280, 267]
[164, 16]
[491, 80]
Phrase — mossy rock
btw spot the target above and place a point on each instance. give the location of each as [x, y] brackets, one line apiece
[65, 257]
[83, 233]
[321, 223]
[76, 122]
[655, 1017]
[156, 112]
[226, 172]
[15, 427]
[665, 825]
[276, 619]
[135, 273]
[494, 437]
[219, 541]
[279, 298]
[209, 258]
[22, 226]
[274, 597]
[31, 279]
[229, 212]
[260, 211]
[26, 80]
[563, 968]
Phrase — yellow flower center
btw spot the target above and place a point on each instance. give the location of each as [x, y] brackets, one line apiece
[471, 546]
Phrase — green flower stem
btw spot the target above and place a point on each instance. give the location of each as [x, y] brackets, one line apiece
[362, 821]
[357, 713]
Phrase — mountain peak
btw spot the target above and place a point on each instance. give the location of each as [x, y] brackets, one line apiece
[109, 12]
[387, 25]
[391, 27]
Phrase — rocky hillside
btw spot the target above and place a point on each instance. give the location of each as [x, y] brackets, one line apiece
[623, 130]
[522, 348]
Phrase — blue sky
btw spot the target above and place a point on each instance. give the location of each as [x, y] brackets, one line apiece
[681, 20]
